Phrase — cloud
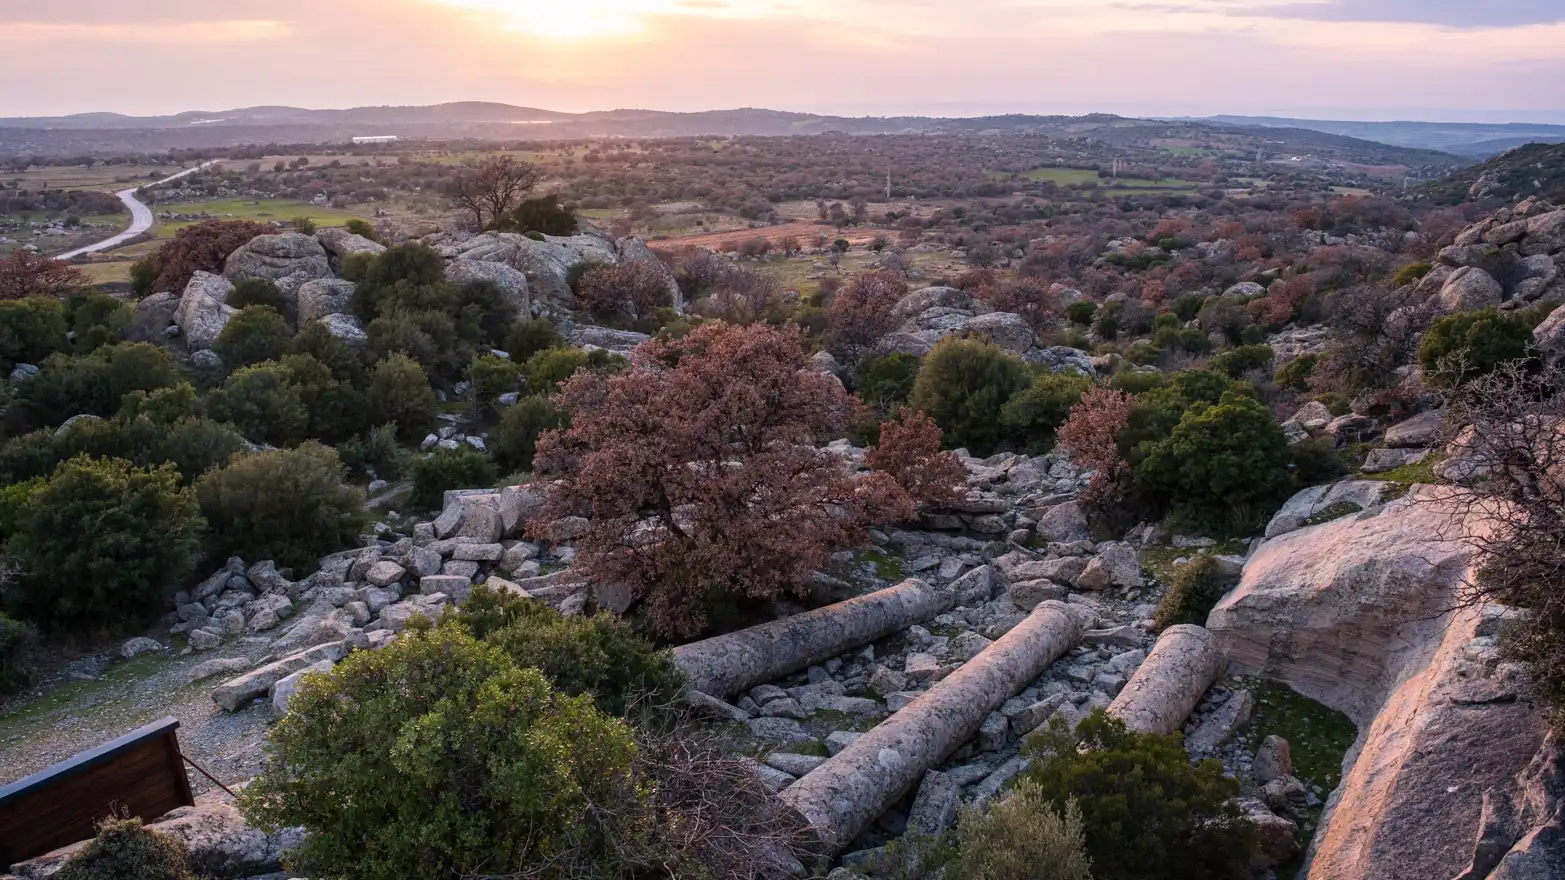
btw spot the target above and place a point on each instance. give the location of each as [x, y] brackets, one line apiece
[1445, 13]
[229, 31]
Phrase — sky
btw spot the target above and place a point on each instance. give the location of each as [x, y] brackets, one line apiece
[1440, 60]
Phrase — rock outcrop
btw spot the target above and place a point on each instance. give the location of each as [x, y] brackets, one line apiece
[288, 260]
[924, 317]
[203, 310]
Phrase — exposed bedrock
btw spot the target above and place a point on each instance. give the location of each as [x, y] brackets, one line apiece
[849, 791]
[1357, 614]
[727, 664]
[1185, 662]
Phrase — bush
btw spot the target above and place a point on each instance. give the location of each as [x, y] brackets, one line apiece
[14, 674]
[161, 406]
[345, 365]
[528, 337]
[445, 469]
[963, 385]
[1412, 273]
[144, 531]
[98, 320]
[1315, 461]
[599, 657]
[196, 445]
[1081, 312]
[304, 225]
[290, 505]
[521, 426]
[399, 394]
[437, 751]
[884, 382]
[909, 453]
[625, 292]
[96, 384]
[410, 276]
[363, 229]
[202, 247]
[264, 403]
[1148, 814]
[31, 455]
[541, 215]
[1224, 468]
[1295, 374]
[1196, 588]
[545, 370]
[1035, 415]
[493, 376]
[336, 409]
[375, 452]
[124, 850]
[1463, 346]
[30, 330]
[255, 334]
[1245, 359]
[1021, 838]
[249, 292]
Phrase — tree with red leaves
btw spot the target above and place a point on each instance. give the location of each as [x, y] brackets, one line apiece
[909, 452]
[1090, 435]
[697, 471]
[861, 313]
[627, 291]
[23, 274]
[203, 247]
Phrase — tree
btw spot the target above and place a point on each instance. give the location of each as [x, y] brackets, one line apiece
[254, 334]
[631, 291]
[144, 531]
[521, 426]
[529, 336]
[542, 215]
[291, 505]
[885, 382]
[23, 274]
[1090, 434]
[438, 754]
[492, 186]
[202, 247]
[1033, 298]
[964, 384]
[31, 329]
[264, 402]
[1147, 812]
[861, 313]
[909, 452]
[446, 469]
[399, 394]
[1034, 416]
[697, 472]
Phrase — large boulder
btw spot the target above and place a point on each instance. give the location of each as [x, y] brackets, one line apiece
[1545, 234]
[1358, 614]
[511, 282]
[919, 301]
[348, 328]
[1419, 432]
[1468, 289]
[153, 315]
[340, 243]
[1550, 335]
[288, 260]
[322, 297]
[1004, 329]
[547, 264]
[203, 310]
[618, 341]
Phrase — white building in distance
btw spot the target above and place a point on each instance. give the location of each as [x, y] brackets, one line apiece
[375, 139]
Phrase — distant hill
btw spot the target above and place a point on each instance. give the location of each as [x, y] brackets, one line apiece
[1531, 170]
[1478, 140]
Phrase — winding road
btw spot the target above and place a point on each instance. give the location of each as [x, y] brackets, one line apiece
[140, 215]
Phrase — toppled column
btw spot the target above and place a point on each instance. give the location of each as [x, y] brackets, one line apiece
[849, 791]
[724, 665]
[1185, 662]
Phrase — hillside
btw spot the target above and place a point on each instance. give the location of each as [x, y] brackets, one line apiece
[1479, 140]
[1534, 169]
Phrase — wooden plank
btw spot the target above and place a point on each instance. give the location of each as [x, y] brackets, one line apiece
[141, 774]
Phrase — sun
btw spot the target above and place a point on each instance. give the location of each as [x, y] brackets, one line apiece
[568, 20]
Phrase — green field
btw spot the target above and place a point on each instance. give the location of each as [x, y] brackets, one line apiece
[1124, 185]
[258, 210]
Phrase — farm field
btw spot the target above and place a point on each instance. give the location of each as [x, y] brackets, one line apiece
[1127, 185]
[108, 178]
[258, 210]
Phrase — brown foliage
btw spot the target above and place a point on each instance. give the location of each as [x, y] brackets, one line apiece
[1280, 305]
[861, 312]
[493, 186]
[909, 452]
[23, 274]
[1032, 298]
[696, 470]
[631, 290]
[742, 296]
[200, 248]
[1090, 434]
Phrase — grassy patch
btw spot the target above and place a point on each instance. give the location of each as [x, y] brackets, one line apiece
[1409, 474]
[814, 748]
[1335, 511]
[71, 698]
[887, 568]
[257, 210]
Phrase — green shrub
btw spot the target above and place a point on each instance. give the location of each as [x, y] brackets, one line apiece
[445, 469]
[96, 383]
[528, 337]
[249, 292]
[599, 657]
[133, 440]
[521, 426]
[1223, 468]
[336, 409]
[1187, 306]
[1147, 812]
[362, 228]
[1033, 416]
[962, 385]
[98, 320]
[438, 752]
[1463, 346]
[541, 215]
[1295, 374]
[345, 365]
[1315, 461]
[1236, 363]
[196, 445]
[545, 370]
[291, 505]
[1335, 402]
[304, 225]
[31, 329]
[264, 403]
[1021, 838]
[162, 406]
[399, 394]
[1195, 589]
[884, 382]
[144, 532]
[493, 376]
[1412, 273]
[124, 850]
[356, 267]
[31, 455]
[428, 337]
[255, 334]
[376, 451]
[410, 276]
[14, 674]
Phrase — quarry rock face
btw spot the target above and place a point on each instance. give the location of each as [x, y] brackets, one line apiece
[1356, 614]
